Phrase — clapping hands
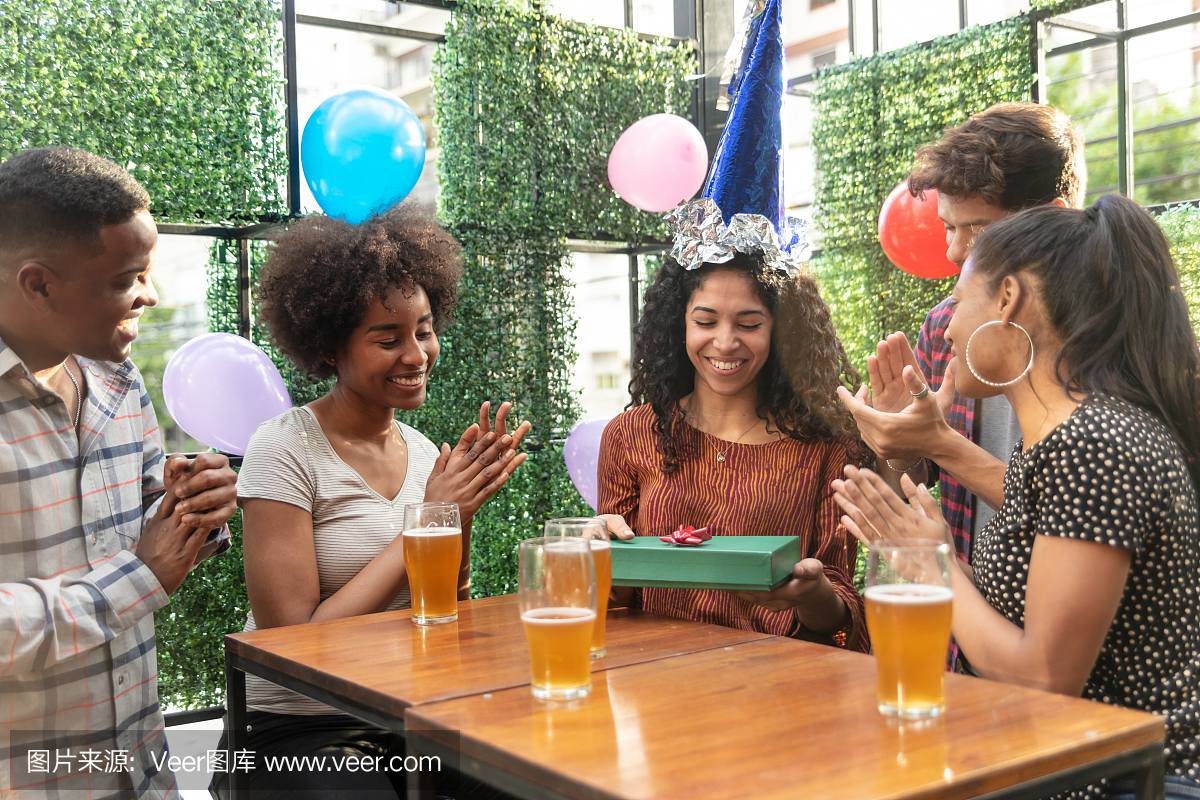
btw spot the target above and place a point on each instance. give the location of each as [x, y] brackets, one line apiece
[892, 420]
[873, 512]
[481, 462]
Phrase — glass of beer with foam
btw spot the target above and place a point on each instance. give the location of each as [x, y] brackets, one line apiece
[908, 600]
[432, 557]
[557, 598]
[596, 532]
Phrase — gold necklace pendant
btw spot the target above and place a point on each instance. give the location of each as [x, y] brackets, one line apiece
[720, 456]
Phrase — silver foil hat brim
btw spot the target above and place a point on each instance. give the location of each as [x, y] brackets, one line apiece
[702, 237]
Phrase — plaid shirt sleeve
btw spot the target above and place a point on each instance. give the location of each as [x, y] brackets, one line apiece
[47, 621]
[933, 357]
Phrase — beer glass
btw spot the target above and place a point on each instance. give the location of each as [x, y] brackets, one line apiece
[432, 556]
[596, 532]
[908, 600]
[557, 598]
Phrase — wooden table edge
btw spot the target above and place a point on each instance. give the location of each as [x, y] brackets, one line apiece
[1036, 778]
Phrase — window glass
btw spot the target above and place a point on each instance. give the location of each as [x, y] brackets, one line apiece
[331, 60]
[602, 303]
[981, 12]
[180, 277]
[1103, 15]
[799, 169]
[654, 16]
[899, 26]
[1147, 12]
[1164, 100]
[1083, 85]
[376, 12]
[610, 13]
[815, 37]
[1166, 115]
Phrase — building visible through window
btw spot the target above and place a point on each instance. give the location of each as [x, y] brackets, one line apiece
[824, 57]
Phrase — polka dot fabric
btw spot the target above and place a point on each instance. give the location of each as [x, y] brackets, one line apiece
[1112, 473]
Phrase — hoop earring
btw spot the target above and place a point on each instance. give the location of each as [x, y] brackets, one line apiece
[980, 378]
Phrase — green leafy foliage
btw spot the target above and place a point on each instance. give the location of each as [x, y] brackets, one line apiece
[1051, 7]
[528, 105]
[871, 115]
[186, 95]
[191, 630]
[1181, 224]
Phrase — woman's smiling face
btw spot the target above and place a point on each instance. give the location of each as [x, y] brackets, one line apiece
[728, 329]
[387, 359]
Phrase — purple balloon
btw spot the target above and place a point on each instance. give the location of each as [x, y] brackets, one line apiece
[219, 387]
[582, 454]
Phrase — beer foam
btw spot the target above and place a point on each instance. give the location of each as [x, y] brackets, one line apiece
[909, 594]
[565, 615]
[599, 544]
[423, 532]
[570, 545]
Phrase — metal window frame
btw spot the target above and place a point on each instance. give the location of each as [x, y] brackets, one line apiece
[1120, 36]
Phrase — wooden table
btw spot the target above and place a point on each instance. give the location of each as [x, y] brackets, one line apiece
[376, 666]
[783, 719]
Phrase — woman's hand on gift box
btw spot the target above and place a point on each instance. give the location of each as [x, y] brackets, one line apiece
[807, 584]
[617, 527]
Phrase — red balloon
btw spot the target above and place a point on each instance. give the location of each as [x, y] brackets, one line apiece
[912, 236]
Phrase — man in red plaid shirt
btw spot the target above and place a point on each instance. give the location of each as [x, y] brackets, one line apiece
[1010, 157]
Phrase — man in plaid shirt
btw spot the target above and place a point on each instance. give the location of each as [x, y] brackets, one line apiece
[1010, 157]
[97, 527]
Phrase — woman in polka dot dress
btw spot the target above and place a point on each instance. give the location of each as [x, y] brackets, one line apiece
[1085, 581]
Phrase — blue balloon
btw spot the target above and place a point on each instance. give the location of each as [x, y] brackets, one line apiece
[362, 151]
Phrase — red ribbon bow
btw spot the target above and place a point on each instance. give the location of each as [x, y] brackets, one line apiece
[687, 536]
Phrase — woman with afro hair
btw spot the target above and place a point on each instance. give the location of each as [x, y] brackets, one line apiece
[323, 486]
[735, 426]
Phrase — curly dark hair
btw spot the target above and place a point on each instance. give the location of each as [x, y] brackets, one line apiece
[797, 387]
[49, 194]
[1011, 155]
[323, 273]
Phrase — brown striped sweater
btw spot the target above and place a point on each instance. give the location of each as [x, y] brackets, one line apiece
[775, 489]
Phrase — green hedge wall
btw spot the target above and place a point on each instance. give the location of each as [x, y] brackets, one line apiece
[1181, 224]
[186, 95]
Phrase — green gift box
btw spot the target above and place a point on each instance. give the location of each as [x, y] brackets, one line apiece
[736, 563]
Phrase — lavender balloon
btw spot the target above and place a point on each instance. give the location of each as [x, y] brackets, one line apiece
[582, 455]
[219, 387]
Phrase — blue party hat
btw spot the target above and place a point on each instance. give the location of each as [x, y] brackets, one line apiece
[746, 176]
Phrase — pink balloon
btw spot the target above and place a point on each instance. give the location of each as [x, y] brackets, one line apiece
[658, 162]
[582, 454]
[219, 387]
